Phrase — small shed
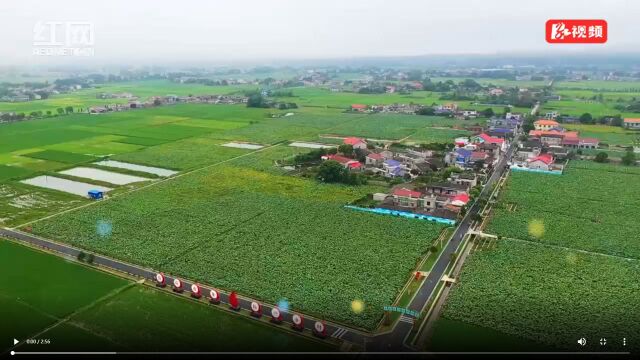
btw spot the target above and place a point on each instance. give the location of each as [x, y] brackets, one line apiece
[96, 194]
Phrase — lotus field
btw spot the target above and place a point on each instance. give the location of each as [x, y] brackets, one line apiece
[267, 236]
[549, 295]
[590, 207]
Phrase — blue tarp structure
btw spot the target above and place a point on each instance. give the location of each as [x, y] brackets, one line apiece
[539, 171]
[403, 214]
[96, 194]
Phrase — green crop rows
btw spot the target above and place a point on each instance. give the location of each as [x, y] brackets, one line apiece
[549, 295]
[589, 208]
[264, 235]
[61, 156]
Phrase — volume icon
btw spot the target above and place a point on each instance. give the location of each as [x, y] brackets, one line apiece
[582, 341]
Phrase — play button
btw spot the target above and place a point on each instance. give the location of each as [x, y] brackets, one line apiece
[15, 341]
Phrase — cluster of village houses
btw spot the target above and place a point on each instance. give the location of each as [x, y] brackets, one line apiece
[440, 110]
[442, 199]
[546, 149]
[549, 145]
[165, 100]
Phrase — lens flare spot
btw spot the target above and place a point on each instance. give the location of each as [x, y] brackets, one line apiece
[357, 306]
[283, 305]
[536, 228]
[104, 228]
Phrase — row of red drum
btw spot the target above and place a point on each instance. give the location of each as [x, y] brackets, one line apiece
[319, 327]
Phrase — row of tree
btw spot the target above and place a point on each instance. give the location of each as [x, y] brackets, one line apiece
[35, 114]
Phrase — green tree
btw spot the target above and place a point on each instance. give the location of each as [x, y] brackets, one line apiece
[488, 112]
[428, 110]
[60, 110]
[256, 101]
[68, 109]
[527, 125]
[586, 118]
[345, 149]
[629, 158]
[602, 157]
[331, 171]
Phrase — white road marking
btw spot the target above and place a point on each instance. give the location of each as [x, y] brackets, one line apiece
[339, 333]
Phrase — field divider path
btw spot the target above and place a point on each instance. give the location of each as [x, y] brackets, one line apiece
[145, 186]
[570, 249]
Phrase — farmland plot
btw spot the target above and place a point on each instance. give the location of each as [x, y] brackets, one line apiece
[588, 208]
[549, 295]
[264, 235]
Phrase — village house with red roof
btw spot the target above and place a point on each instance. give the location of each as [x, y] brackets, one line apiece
[348, 163]
[545, 124]
[541, 162]
[359, 107]
[633, 124]
[357, 143]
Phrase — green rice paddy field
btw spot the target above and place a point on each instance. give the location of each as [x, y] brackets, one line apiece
[82, 309]
[181, 137]
[84, 98]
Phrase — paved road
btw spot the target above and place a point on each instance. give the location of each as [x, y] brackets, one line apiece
[245, 303]
[393, 341]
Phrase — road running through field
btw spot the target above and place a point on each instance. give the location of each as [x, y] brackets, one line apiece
[390, 341]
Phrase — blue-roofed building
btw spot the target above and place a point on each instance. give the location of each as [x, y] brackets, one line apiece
[463, 156]
[392, 163]
[502, 133]
[96, 194]
[397, 171]
[393, 168]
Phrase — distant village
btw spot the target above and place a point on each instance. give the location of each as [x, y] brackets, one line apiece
[134, 103]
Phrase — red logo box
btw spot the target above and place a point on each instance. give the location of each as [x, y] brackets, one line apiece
[576, 31]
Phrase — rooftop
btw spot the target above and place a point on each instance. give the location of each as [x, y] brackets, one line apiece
[546, 122]
[404, 192]
[353, 141]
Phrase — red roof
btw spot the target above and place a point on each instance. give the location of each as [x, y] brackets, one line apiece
[545, 158]
[375, 156]
[353, 141]
[490, 139]
[464, 198]
[564, 134]
[407, 193]
[546, 122]
[478, 155]
[354, 164]
[629, 121]
[339, 158]
[589, 140]
[570, 141]
[358, 106]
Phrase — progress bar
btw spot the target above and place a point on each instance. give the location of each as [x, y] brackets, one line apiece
[303, 353]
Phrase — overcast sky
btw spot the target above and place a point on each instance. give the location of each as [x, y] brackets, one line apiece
[225, 30]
